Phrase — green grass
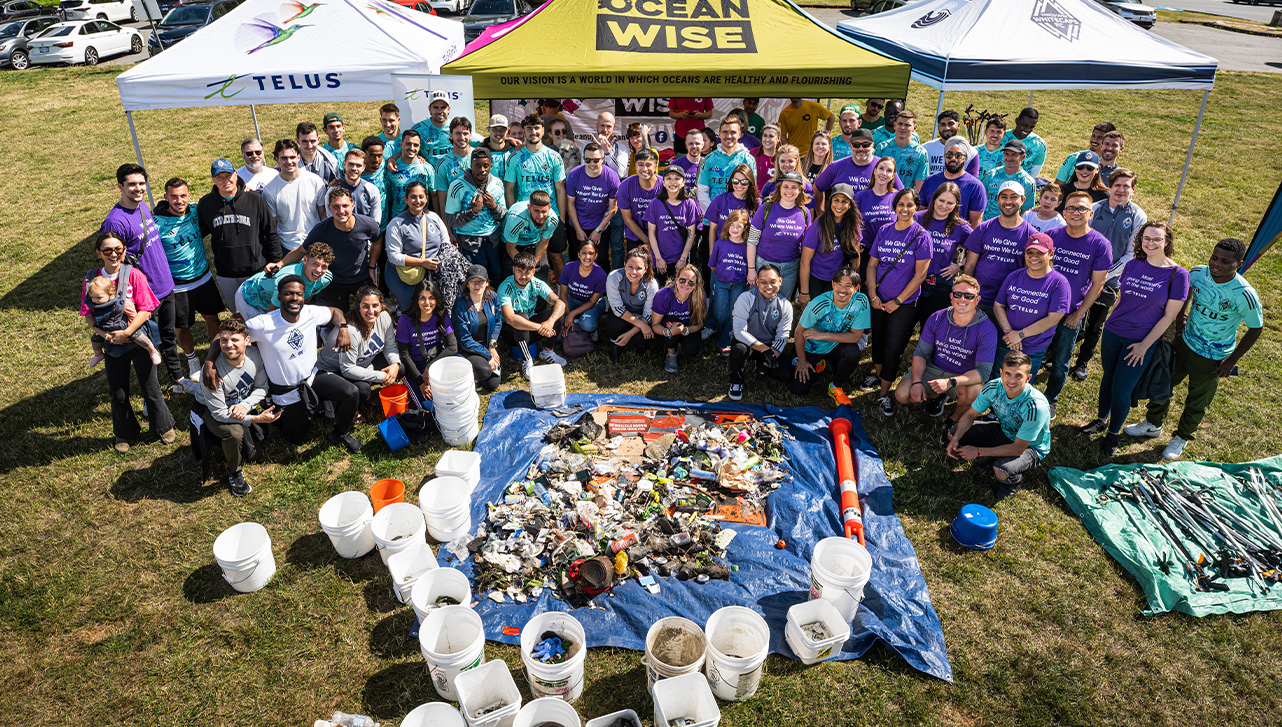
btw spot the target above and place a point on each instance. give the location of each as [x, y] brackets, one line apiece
[112, 611]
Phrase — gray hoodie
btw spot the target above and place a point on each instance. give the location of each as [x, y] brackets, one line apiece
[757, 320]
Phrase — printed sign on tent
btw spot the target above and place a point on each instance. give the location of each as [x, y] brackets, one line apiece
[414, 94]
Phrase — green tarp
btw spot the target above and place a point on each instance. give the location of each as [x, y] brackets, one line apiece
[1111, 527]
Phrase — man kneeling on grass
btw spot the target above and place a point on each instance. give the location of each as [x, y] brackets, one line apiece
[1020, 438]
[530, 312]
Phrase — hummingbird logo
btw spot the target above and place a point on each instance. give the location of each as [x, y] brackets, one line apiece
[377, 10]
[298, 9]
[266, 33]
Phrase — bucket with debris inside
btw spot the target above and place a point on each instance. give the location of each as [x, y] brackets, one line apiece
[815, 630]
[439, 587]
[554, 649]
[839, 570]
[673, 646]
[399, 526]
[685, 701]
[407, 567]
[547, 712]
[487, 695]
[738, 642]
[452, 640]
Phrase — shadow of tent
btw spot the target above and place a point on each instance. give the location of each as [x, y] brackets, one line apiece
[394, 691]
[66, 408]
[57, 285]
[174, 476]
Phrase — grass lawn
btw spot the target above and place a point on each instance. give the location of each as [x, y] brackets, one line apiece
[113, 612]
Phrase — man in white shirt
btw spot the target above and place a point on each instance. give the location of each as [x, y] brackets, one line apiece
[255, 174]
[291, 196]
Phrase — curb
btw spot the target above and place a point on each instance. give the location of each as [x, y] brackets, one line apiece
[1232, 29]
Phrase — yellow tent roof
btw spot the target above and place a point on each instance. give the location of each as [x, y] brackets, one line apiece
[667, 48]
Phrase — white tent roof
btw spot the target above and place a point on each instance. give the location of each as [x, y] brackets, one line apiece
[266, 51]
[958, 45]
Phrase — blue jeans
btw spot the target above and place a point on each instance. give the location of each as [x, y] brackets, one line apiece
[590, 318]
[1058, 354]
[614, 233]
[723, 297]
[403, 293]
[1002, 350]
[1119, 380]
[790, 272]
[487, 254]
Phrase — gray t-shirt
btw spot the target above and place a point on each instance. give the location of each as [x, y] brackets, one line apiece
[245, 385]
[354, 363]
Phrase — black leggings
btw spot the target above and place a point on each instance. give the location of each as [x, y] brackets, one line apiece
[124, 423]
[742, 354]
[616, 326]
[1092, 330]
[481, 371]
[843, 359]
[166, 319]
[890, 335]
[344, 395]
[514, 336]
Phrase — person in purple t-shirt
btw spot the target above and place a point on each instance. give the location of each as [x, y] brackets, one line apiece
[132, 220]
[1151, 292]
[590, 191]
[583, 290]
[776, 232]
[996, 248]
[942, 219]
[671, 220]
[740, 194]
[876, 204]
[635, 195]
[729, 264]
[678, 315]
[855, 170]
[831, 243]
[1031, 303]
[897, 264]
[689, 163]
[424, 334]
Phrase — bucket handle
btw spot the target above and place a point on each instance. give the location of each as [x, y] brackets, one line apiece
[242, 580]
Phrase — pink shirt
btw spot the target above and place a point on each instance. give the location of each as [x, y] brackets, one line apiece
[137, 291]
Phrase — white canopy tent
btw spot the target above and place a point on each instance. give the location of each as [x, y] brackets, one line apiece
[266, 52]
[973, 45]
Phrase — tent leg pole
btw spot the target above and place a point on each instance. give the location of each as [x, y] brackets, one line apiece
[254, 113]
[939, 109]
[1030, 98]
[1188, 159]
[129, 117]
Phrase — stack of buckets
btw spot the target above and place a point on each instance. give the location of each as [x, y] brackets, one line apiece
[446, 504]
[454, 399]
[464, 465]
[452, 640]
[407, 568]
[839, 570]
[397, 527]
[547, 386]
[347, 518]
[244, 552]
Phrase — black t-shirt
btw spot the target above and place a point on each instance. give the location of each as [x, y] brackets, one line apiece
[351, 248]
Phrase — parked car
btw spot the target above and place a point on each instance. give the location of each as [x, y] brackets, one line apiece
[485, 13]
[186, 19]
[117, 11]
[872, 7]
[420, 5]
[15, 40]
[1132, 10]
[453, 7]
[22, 9]
[83, 41]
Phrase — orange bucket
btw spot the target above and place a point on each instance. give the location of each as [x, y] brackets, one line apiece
[395, 399]
[386, 492]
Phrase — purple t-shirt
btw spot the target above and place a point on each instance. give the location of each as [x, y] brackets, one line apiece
[591, 195]
[780, 235]
[958, 348]
[669, 238]
[806, 187]
[1143, 291]
[1028, 300]
[421, 335]
[720, 208]
[635, 199]
[730, 261]
[974, 198]
[691, 170]
[943, 243]
[582, 288]
[1001, 252]
[846, 171]
[875, 211]
[129, 225]
[1077, 257]
[915, 242]
[822, 264]
[667, 305]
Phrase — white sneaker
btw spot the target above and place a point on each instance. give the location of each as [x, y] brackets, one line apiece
[1142, 429]
[550, 356]
[1174, 448]
[526, 366]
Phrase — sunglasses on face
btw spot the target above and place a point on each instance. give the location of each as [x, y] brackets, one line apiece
[964, 296]
[861, 145]
[1085, 168]
[253, 153]
[558, 133]
[112, 251]
[739, 182]
[872, 106]
[954, 156]
[686, 282]
[594, 160]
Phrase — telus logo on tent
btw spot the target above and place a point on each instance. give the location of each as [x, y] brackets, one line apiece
[1056, 20]
[228, 87]
[674, 26]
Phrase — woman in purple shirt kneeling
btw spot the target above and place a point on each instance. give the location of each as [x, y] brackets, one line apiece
[678, 315]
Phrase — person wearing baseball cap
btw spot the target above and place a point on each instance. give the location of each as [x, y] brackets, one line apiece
[1031, 303]
[1086, 178]
[849, 119]
[242, 234]
[477, 321]
[499, 145]
[1013, 153]
[996, 248]
[332, 125]
[434, 131]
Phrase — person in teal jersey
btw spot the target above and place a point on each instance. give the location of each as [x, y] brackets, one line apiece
[872, 119]
[524, 324]
[474, 208]
[1065, 172]
[194, 288]
[375, 174]
[849, 119]
[434, 133]
[260, 294]
[409, 168]
[831, 330]
[499, 145]
[334, 130]
[1011, 170]
[535, 167]
[529, 226]
[1206, 345]
[912, 163]
[717, 167]
[1034, 144]
[990, 152]
[1020, 437]
[389, 117]
[455, 163]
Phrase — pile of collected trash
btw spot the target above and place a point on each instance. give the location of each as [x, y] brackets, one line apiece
[628, 494]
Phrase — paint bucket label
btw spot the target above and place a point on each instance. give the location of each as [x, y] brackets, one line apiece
[816, 588]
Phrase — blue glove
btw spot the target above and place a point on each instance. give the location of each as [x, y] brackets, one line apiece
[548, 649]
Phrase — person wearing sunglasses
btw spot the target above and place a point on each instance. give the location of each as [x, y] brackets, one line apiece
[561, 137]
[855, 170]
[1013, 154]
[947, 124]
[678, 316]
[955, 158]
[255, 174]
[1031, 303]
[871, 117]
[591, 191]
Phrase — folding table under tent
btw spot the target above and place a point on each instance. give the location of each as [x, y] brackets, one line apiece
[1003, 45]
[266, 52]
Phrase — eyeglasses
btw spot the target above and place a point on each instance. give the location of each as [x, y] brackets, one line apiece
[964, 296]
[593, 160]
[112, 251]
[253, 153]
[1077, 210]
[740, 182]
[1146, 238]
[686, 282]
[861, 145]
[954, 155]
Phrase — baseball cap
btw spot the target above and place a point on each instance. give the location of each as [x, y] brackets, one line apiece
[482, 153]
[477, 271]
[438, 96]
[1087, 158]
[1015, 145]
[850, 107]
[674, 169]
[862, 134]
[845, 189]
[498, 120]
[791, 177]
[220, 166]
[1013, 186]
[331, 116]
[1040, 241]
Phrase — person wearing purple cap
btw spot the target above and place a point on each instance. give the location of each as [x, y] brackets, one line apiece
[996, 248]
[1013, 153]
[898, 262]
[241, 232]
[1031, 303]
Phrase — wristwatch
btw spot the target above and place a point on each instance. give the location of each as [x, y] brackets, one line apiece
[1021, 335]
[952, 381]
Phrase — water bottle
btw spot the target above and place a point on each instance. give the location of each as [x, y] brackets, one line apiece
[353, 720]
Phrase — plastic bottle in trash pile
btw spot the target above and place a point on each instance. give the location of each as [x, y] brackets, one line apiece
[353, 720]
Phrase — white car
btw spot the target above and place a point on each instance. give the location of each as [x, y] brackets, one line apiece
[1132, 10]
[83, 41]
[453, 7]
[118, 11]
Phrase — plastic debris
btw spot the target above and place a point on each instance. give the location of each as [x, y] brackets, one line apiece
[549, 650]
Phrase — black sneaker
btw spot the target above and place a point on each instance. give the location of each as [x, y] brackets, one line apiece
[1008, 488]
[1078, 373]
[886, 406]
[935, 407]
[871, 381]
[946, 435]
[344, 440]
[239, 487]
[1052, 405]
[736, 392]
[1095, 427]
[1108, 445]
[616, 353]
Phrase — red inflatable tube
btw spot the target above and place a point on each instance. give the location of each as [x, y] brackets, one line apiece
[851, 514]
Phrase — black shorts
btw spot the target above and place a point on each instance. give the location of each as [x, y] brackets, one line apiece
[204, 299]
[557, 243]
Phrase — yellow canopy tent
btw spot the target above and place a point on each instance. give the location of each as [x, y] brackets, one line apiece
[673, 48]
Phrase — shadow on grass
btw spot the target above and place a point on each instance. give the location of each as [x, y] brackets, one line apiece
[174, 476]
[57, 285]
[391, 639]
[66, 409]
[394, 691]
[611, 693]
[315, 551]
[206, 585]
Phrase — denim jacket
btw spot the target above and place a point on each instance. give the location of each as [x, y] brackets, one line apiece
[466, 322]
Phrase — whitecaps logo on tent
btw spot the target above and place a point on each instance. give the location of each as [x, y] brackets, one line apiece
[931, 18]
[1056, 20]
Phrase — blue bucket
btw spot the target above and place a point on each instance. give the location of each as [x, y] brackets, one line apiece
[516, 351]
[393, 434]
[975, 527]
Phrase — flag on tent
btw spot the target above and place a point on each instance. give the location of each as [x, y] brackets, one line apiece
[1268, 233]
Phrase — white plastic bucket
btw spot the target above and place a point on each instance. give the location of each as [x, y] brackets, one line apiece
[673, 646]
[609, 719]
[738, 642]
[452, 640]
[399, 526]
[546, 712]
[547, 386]
[462, 440]
[454, 398]
[446, 503]
[433, 714]
[839, 570]
[346, 518]
[464, 465]
[438, 583]
[687, 697]
[825, 615]
[450, 372]
[487, 695]
[564, 680]
[244, 552]
[407, 567]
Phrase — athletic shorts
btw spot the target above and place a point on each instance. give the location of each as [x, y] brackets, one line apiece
[557, 243]
[203, 299]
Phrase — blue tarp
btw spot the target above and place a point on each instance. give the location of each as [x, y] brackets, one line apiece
[896, 607]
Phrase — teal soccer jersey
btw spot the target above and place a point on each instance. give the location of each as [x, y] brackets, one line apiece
[1215, 312]
[1026, 417]
[823, 315]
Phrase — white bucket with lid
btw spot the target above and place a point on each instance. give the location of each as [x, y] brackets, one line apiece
[839, 570]
[686, 699]
[464, 465]
[437, 585]
[398, 527]
[547, 712]
[673, 646]
[547, 386]
[452, 640]
[407, 567]
[563, 680]
[487, 695]
[346, 518]
[815, 630]
[738, 642]
[447, 504]
[433, 714]
[244, 552]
